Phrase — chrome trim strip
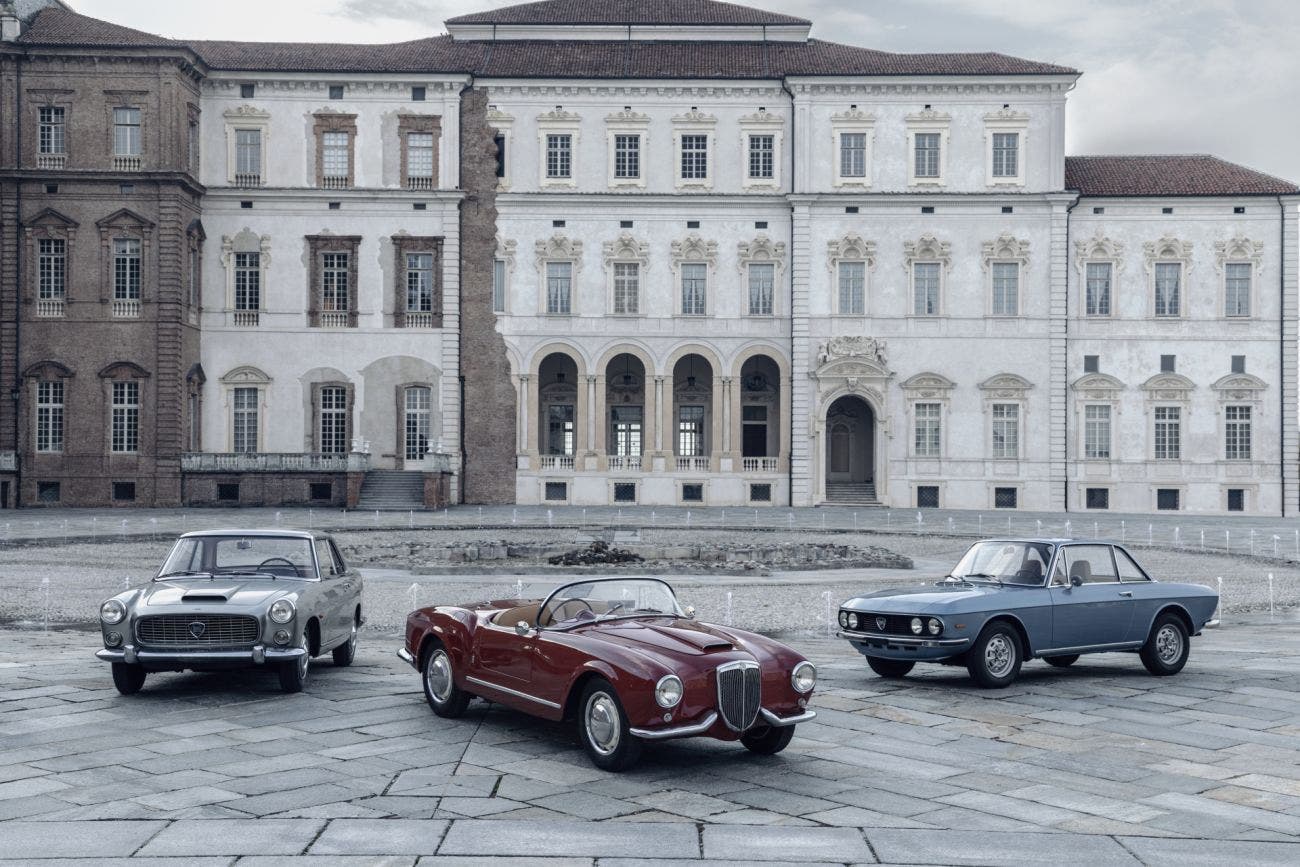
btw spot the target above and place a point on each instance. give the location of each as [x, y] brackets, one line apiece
[1088, 648]
[774, 720]
[405, 655]
[508, 691]
[110, 655]
[901, 640]
[685, 731]
[256, 655]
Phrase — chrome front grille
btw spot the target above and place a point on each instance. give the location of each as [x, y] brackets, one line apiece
[218, 631]
[739, 694]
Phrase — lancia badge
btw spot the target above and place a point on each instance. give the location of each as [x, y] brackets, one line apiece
[197, 628]
[880, 623]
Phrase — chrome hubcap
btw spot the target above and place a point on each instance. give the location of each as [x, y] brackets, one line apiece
[304, 661]
[1169, 644]
[437, 674]
[601, 720]
[352, 639]
[999, 656]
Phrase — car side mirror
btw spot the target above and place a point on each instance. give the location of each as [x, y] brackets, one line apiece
[522, 629]
[690, 610]
[1076, 581]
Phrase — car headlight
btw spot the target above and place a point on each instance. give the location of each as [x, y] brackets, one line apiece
[282, 611]
[668, 691]
[934, 626]
[853, 621]
[917, 626]
[844, 619]
[112, 612]
[804, 677]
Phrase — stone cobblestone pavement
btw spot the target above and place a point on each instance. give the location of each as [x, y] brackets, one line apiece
[1099, 764]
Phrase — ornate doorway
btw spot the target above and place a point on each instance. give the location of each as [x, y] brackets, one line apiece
[850, 441]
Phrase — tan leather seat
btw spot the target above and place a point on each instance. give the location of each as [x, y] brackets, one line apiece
[511, 616]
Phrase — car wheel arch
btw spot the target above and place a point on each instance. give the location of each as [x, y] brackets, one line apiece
[593, 669]
[313, 636]
[1026, 647]
[1177, 610]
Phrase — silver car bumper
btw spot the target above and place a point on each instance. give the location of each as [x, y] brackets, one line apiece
[258, 654]
[901, 640]
[780, 721]
[405, 656]
[686, 731]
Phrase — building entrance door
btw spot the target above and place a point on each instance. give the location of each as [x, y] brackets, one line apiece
[850, 442]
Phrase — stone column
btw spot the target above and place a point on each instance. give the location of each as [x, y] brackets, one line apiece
[525, 411]
[718, 412]
[650, 412]
[596, 449]
[729, 414]
[664, 387]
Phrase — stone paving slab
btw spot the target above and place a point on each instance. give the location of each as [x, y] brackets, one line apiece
[31, 840]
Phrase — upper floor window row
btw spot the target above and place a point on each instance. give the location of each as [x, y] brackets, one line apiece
[127, 137]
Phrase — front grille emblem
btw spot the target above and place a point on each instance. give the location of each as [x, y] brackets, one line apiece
[197, 628]
[880, 623]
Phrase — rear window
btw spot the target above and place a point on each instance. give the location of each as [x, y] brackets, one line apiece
[1128, 569]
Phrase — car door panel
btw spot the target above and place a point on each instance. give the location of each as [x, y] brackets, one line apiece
[503, 657]
[1096, 611]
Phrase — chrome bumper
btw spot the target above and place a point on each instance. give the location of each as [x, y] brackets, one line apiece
[686, 731]
[901, 640]
[1211, 624]
[779, 721]
[405, 656]
[258, 654]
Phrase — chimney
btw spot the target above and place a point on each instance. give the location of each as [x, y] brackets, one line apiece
[10, 25]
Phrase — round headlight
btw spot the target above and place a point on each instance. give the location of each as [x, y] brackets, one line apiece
[853, 621]
[668, 691]
[844, 619]
[934, 626]
[112, 612]
[917, 626]
[113, 639]
[281, 611]
[804, 677]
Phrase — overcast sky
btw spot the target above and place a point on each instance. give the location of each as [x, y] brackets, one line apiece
[1160, 76]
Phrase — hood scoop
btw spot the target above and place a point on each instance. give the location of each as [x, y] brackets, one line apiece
[209, 594]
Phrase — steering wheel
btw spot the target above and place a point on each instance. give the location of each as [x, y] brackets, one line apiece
[556, 610]
[283, 560]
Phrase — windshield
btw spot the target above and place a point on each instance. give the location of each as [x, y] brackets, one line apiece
[282, 556]
[1005, 563]
[589, 601]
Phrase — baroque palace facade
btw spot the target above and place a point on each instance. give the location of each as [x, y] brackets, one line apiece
[582, 252]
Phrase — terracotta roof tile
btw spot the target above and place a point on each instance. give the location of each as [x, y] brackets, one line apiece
[665, 12]
[55, 25]
[1169, 175]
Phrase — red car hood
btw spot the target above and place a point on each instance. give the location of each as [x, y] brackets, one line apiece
[677, 637]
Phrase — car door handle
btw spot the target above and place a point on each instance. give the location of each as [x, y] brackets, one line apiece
[1127, 594]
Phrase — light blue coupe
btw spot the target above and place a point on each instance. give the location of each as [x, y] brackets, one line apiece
[1012, 600]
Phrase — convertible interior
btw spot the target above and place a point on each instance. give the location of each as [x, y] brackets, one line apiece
[572, 610]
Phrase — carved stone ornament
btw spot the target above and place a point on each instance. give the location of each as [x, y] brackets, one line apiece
[627, 249]
[1168, 386]
[854, 346]
[693, 248]
[1099, 248]
[1238, 387]
[695, 116]
[927, 248]
[559, 115]
[247, 241]
[929, 385]
[627, 117]
[247, 112]
[506, 251]
[497, 117]
[850, 248]
[853, 115]
[559, 248]
[761, 117]
[1239, 249]
[1097, 386]
[1007, 116]
[1005, 386]
[246, 375]
[761, 249]
[1168, 249]
[1007, 248]
[929, 116]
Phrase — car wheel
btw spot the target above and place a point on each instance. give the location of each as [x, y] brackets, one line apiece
[440, 690]
[603, 728]
[1167, 647]
[293, 672]
[994, 660]
[891, 668]
[1062, 661]
[346, 652]
[128, 677]
[769, 740]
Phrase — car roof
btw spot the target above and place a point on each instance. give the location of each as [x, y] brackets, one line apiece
[1051, 541]
[283, 534]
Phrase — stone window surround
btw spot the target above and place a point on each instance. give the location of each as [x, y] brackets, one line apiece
[124, 224]
[761, 122]
[1157, 487]
[558, 248]
[761, 251]
[246, 241]
[928, 121]
[193, 421]
[39, 98]
[559, 122]
[504, 126]
[126, 371]
[1006, 121]
[329, 121]
[1099, 249]
[1168, 390]
[505, 253]
[928, 388]
[694, 250]
[435, 439]
[855, 120]
[192, 294]
[1239, 389]
[350, 393]
[420, 123]
[245, 377]
[138, 99]
[317, 246]
[403, 245]
[1239, 250]
[1007, 388]
[927, 249]
[1168, 250]
[248, 117]
[1007, 249]
[696, 122]
[851, 249]
[194, 139]
[48, 225]
[625, 123]
[48, 371]
[626, 250]
[1095, 389]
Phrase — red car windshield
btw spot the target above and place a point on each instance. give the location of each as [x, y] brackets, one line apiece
[589, 601]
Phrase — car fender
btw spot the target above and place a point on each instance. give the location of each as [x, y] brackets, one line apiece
[1165, 605]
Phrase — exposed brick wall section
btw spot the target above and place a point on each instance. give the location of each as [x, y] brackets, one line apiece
[488, 444]
[437, 490]
[266, 489]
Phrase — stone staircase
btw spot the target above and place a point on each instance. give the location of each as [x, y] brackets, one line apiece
[392, 490]
[851, 494]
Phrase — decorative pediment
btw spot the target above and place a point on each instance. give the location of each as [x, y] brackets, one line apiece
[247, 113]
[506, 248]
[628, 117]
[853, 115]
[627, 249]
[497, 117]
[558, 247]
[196, 230]
[1005, 385]
[929, 385]
[1239, 249]
[48, 370]
[1007, 248]
[1099, 248]
[1007, 116]
[762, 117]
[246, 375]
[560, 116]
[247, 241]
[854, 347]
[928, 248]
[48, 218]
[695, 117]
[1168, 248]
[1097, 386]
[929, 116]
[761, 249]
[1240, 386]
[693, 248]
[124, 370]
[124, 218]
[1168, 386]
[195, 375]
[850, 248]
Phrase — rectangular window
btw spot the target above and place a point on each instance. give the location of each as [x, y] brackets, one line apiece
[1168, 433]
[1091, 363]
[1236, 433]
[1006, 430]
[1168, 288]
[248, 281]
[694, 282]
[853, 155]
[1097, 498]
[927, 496]
[126, 269]
[625, 492]
[335, 157]
[1098, 288]
[248, 155]
[1236, 289]
[762, 157]
[693, 493]
[625, 428]
[1005, 498]
[419, 158]
[1006, 155]
[244, 426]
[321, 490]
[695, 157]
[1236, 499]
[559, 285]
[333, 420]
[126, 132]
[760, 493]
[419, 405]
[1096, 432]
[559, 155]
[559, 429]
[627, 156]
[228, 492]
[1167, 499]
[419, 282]
[335, 269]
[500, 141]
[126, 417]
[1238, 364]
[627, 289]
[1168, 363]
[927, 155]
[925, 286]
[1006, 288]
[853, 288]
[47, 492]
[690, 431]
[498, 286]
[761, 280]
[52, 269]
[557, 492]
[123, 492]
[53, 131]
[49, 416]
[928, 434]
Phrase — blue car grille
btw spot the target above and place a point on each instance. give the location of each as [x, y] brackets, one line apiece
[739, 694]
[218, 631]
[895, 624]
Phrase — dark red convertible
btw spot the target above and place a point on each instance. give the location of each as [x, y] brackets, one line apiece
[620, 658]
